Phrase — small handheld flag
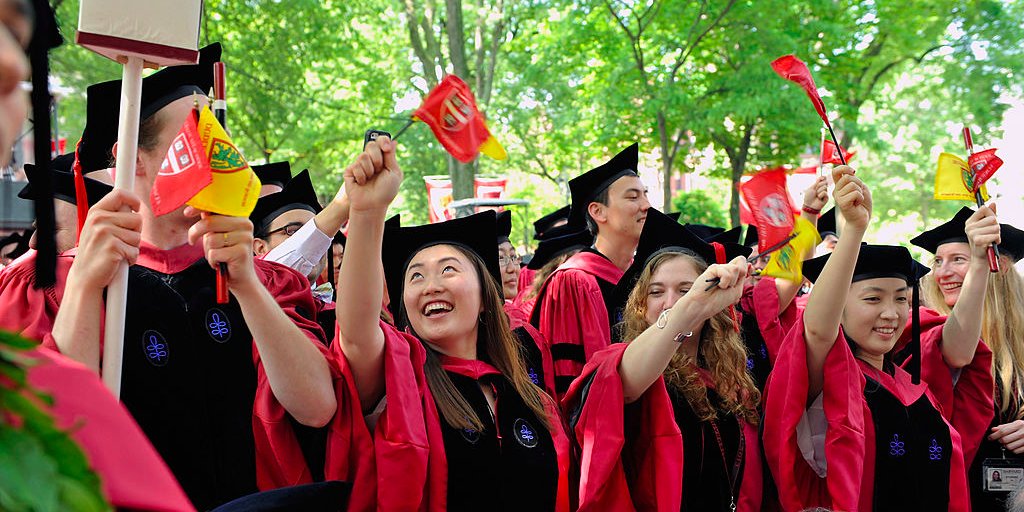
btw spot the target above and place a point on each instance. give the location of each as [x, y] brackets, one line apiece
[986, 162]
[787, 262]
[953, 180]
[793, 69]
[184, 172]
[833, 154]
[768, 199]
[451, 113]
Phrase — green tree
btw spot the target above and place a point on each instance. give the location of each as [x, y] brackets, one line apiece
[699, 207]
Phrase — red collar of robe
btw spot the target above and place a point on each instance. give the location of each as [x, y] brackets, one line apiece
[472, 368]
[170, 261]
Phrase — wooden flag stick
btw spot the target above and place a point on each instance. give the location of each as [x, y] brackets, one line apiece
[993, 251]
[117, 291]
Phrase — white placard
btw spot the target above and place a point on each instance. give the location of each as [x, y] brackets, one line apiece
[160, 32]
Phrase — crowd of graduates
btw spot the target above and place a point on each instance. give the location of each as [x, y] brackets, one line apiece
[631, 362]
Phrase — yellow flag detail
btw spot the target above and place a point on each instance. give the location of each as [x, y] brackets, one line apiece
[953, 178]
[235, 187]
[787, 263]
[492, 148]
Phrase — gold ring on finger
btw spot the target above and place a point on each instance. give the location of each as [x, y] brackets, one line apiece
[225, 239]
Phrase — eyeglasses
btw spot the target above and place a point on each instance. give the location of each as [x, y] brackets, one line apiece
[504, 261]
[288, 229]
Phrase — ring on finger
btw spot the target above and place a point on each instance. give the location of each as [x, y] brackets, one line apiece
[225, 239]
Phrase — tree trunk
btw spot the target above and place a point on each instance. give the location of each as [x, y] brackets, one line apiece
[462, 178]
[738, 162]
[666, 162]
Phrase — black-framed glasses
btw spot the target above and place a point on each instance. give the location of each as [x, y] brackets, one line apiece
[288, 229]
[504, 261]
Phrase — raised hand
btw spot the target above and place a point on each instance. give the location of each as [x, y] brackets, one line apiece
[111, 235]
[982, 229]
[225, 240]
[731, 277]
[371, 182]
[816, 195]
[852, 197]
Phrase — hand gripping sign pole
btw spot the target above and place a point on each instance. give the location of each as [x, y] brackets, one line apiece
[152, 33]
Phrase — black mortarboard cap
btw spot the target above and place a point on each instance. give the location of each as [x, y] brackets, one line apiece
[750, 239]
[1012, 243]
[297, 195]
[827, 223]
[12, 238]
[554, 246]
[329, 496]
[503, 226]
[704, 231]
[63, 182]
[23, 246]
[880, 261]
[394, 221]
[475, 233]
[545, 223]
[674, 215]
[947, 232]
[874, 261]
[103, 103]
[587, 186]
[731, 236]
[340, 238]
[662, 234]
[276, 173]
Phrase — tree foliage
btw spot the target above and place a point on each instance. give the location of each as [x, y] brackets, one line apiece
[566, 83]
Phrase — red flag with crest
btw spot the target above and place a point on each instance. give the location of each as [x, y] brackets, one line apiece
[768, 199]
[451, 113]
[185, 170]
[830, 153]
[983, 164]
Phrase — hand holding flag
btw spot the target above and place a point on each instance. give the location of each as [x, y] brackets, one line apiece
[982, 166]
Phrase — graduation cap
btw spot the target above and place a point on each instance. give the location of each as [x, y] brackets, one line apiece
[503, 225]
[1012, 243]
[554, 246]
[731, 236]
[13, 238]
[704, 231]
[587, 186]
[674, 216]
[827, 223]
[298, 194]
[63, 180]
[545, 223]
[881, 261]
[662, 234]
[340, 239]
[103, 103]
[475, 233]
[950, 231]
[750, 239]
[23, 242]
[276, 173]
[394, 221]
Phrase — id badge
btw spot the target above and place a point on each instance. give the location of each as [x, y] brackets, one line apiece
[1002, 475]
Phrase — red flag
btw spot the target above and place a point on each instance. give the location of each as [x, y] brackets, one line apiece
[769, 202]
[806, 170]
[794, 70]
[184, 172]
[830, 153]
[450, 111]
[983, 164]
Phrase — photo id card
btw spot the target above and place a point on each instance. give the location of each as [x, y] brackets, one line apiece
[1002, 475]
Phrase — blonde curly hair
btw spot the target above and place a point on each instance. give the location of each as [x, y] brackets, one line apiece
[720, 348]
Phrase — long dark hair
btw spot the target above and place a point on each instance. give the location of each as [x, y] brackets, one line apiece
[495, 345]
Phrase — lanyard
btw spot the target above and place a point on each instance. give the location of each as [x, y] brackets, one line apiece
[734, 474]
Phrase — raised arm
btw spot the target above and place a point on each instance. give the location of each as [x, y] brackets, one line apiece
[331, 219]
[646, 357]
[962, 329]
[815, 199]
[372, 183]
[828, 297]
